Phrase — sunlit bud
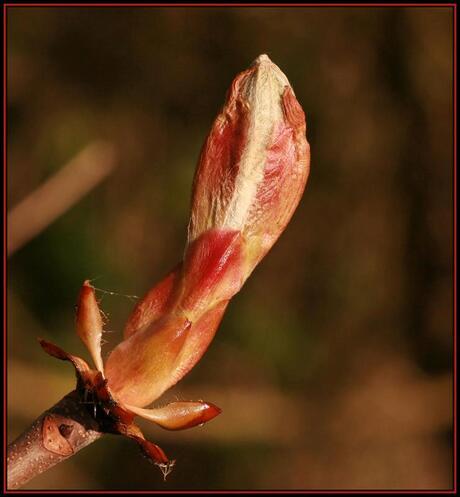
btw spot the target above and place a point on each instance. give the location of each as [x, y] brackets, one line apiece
[250, 177]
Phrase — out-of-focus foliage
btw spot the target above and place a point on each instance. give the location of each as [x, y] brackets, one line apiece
[333, 364]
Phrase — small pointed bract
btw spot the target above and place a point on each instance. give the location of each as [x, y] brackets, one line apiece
[90, 323]
[179, 415]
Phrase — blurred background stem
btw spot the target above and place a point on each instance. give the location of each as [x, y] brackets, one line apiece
[54, 197]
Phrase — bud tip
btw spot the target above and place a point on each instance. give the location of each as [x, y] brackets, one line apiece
[262, 58]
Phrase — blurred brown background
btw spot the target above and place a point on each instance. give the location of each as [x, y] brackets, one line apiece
[333, 365]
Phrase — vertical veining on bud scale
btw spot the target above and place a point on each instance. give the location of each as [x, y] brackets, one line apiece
[262, 90]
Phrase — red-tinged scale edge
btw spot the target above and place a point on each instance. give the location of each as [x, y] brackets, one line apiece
[179, 415]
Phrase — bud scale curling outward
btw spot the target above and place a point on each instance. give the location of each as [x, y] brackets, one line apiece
[250, 177]
[90, 323]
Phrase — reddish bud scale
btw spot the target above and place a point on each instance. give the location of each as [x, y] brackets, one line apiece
[219, 162]
[212, 271]
[151, 450]
[130, 365]
[154, 304]
[85, 375]
[179, 415]
[90, 323]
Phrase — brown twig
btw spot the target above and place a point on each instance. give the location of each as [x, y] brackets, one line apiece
[56, 435]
